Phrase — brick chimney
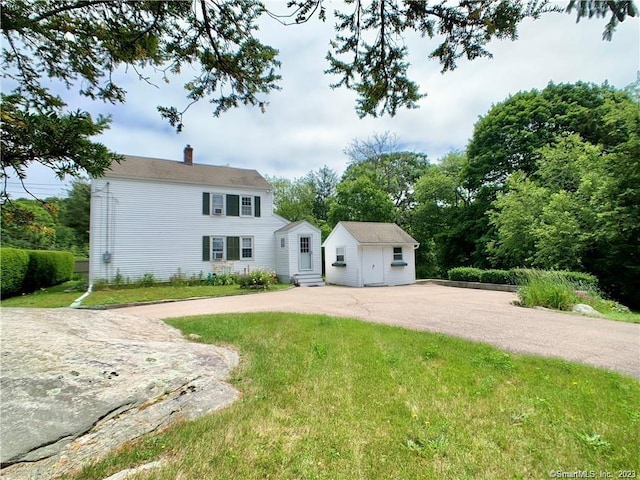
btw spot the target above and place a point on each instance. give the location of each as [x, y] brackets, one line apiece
[188, 155]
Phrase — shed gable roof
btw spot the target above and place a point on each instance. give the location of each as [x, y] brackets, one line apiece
[145, 168]
[377, 233]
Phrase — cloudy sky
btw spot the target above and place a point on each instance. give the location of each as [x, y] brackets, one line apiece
[308, 125]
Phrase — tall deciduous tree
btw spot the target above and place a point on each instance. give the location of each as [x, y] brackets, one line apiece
[75, 210]
[361, 200]
[395, 171]
[293, 199]
[324, 181]
[510, 138]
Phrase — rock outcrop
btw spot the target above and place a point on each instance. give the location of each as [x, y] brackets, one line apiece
[78, 383]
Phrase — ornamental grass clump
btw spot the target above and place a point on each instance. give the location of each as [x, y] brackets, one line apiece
[548, 289]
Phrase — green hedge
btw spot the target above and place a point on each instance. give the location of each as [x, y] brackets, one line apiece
[464, 274]
[503, 277]
[47, 268]
[14, 264]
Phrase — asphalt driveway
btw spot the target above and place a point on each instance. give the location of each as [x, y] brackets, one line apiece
[478, 315]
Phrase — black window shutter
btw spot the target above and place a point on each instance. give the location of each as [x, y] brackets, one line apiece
[233, 248]
[233, 205]
[206, 203]
[206, 249]
[256, 202]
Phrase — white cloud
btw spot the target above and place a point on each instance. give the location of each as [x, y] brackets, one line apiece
[307, 124]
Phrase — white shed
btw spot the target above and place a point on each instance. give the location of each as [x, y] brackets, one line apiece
[299, 254]
[359, 254]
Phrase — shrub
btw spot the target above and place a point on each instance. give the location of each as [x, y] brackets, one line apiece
[579, 280]
[465, 274]
[222, 279]
[147, 280]
[258, 279]
[547, 289]
[13, 264]
[504, 277]
[48, 268]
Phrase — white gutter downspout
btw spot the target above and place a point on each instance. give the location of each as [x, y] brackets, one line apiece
[78, 301]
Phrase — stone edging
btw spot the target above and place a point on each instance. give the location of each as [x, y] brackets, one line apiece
[476, 285]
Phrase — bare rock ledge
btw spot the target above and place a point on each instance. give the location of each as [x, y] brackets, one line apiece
[77, 383]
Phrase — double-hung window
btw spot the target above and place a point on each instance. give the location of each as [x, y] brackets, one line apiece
[217, 204]
[398, 261]
[247, 248]
[247, 206]
[340, 257]
[217, 248]
[226, 248]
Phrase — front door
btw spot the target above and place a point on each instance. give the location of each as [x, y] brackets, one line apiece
[305, 254]
[372, 262]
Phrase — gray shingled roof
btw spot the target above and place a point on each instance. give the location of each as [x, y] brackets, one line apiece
[374, 232]
[289, 226]
[200, 174]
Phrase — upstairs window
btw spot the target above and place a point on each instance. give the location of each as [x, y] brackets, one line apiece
[247, 206]
[217, 204]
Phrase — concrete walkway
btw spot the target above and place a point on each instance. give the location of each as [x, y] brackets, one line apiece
[478, 315]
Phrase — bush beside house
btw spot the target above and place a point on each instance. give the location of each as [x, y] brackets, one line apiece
[29, 270]
[14, 264]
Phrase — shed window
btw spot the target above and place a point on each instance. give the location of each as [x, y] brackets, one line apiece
[397, 258]
[340, 257]
[282, 242]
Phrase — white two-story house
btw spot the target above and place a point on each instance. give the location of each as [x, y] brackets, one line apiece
[168, 218]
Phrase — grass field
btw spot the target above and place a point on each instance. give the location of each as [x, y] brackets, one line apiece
[55, 297]
[333, 398]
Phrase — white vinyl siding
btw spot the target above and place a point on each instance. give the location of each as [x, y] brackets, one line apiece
[157, 227]
[339, 275]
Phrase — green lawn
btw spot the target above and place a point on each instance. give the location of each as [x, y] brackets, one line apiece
[334, 398]
[54, 297]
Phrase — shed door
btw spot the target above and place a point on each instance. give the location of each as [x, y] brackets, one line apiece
[305, 259]
[372, 263]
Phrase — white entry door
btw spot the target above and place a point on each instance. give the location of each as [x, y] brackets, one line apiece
[305, 253]
[372, 265]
